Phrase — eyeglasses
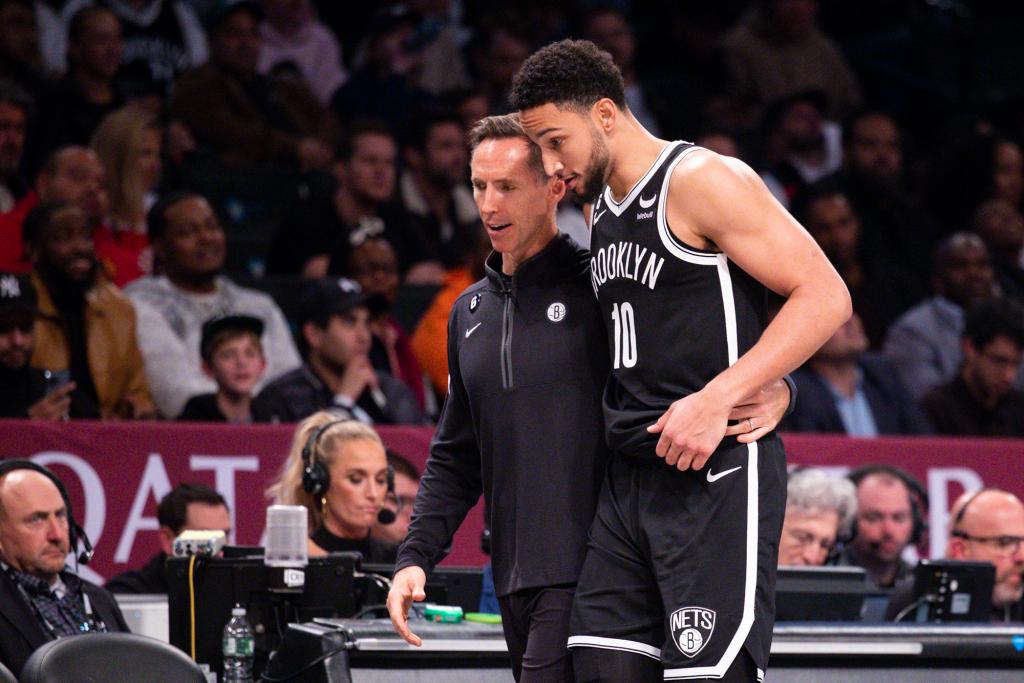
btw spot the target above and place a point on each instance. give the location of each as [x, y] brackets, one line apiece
[1007, 545]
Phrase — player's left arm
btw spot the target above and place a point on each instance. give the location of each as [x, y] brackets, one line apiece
[714, 199]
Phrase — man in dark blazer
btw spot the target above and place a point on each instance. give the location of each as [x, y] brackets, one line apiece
[39, 599]
[845, 389]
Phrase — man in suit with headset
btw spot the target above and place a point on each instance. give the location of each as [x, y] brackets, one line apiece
[39, 599]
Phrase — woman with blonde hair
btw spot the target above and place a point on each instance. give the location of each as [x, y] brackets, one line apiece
[346, 490]
[128, 143]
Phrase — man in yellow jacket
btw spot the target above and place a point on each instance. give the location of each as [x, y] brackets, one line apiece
[85, 325]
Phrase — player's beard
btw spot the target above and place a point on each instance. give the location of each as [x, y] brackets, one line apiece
[596, 173]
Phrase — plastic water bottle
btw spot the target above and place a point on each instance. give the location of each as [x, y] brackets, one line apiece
[238, 648]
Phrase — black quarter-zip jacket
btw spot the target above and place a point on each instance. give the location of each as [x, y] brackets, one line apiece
[523, 422]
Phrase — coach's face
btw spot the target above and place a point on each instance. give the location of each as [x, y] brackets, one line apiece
[573, 144]
[515, 198]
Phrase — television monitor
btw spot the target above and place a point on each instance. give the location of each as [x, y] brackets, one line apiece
[953, 590]
[328, 590]
[445, 586]
[820, 593]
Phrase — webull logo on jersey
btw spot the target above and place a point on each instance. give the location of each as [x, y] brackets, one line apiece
[691, 629]
[625, 260]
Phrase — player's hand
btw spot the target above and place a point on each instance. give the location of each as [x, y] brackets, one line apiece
[691, 430]
[54, 406]
[760, 412]
[406, 587]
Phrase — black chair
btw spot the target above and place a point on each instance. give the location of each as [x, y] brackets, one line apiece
[110, 657]
[6, 676]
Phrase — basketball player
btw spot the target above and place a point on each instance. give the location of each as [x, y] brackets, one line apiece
[679, 577]
[523, 422]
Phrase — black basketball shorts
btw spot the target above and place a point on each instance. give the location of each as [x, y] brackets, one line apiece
[680, 566]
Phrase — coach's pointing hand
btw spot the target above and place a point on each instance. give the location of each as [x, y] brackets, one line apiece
[406, 587]
[691, 430]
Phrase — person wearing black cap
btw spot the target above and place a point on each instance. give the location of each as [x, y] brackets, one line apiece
[338, 375]
[233, 358]
[27, 391]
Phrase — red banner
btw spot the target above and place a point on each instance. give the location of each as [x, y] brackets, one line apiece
[117, 472]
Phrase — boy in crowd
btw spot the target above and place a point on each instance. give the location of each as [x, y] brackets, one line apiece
[232, 356]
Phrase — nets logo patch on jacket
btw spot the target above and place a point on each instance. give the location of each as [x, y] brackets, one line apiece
[474, 303]
[691, 629]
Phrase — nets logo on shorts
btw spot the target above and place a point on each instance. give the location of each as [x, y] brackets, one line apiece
[691, 629]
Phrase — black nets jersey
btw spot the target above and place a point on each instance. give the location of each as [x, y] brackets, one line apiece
[676, 315]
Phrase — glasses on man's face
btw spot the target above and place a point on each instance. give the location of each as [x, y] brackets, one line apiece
[1005, 545]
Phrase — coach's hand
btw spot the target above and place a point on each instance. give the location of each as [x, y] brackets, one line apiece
[760, 412]
[691, 430]
[406, 587]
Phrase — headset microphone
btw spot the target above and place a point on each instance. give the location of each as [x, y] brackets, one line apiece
[386, 516]
[87, 551]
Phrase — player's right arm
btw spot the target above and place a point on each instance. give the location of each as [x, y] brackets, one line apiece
[449, 488]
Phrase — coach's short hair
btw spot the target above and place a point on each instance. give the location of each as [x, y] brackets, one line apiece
[506, 127]
[813, 490]
[573, 73]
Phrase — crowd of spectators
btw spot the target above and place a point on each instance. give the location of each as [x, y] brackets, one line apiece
[225, 158]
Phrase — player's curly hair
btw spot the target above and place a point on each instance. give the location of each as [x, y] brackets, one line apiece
[573, 73]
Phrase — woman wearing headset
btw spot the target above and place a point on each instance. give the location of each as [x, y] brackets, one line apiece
[338, 470]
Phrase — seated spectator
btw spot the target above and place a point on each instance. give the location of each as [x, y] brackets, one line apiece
[162, 38]
[15, 197]
[40, 599]
[895, 226]
[189, 244]
[1001, 227]
[383, 84]
[432, 190]
[233, 358]
[188, 507]
[844, 388]
[801, 147]
[27, 392]
[334, 321]
[430, 339]
[981, 400]
[85, 325]
[245, 117]
[888, 522]
[399, 501]
[924, 343]
[880, 289]
[819, 510]
[498, 49]
[350, 483]
[127, 143]
[72, 108]
[20, 57]
[374, 265]
[441, 38]
[987, 526]
[779, 50]
[293, 36]
[313, 240]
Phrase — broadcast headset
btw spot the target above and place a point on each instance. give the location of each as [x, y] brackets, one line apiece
[76, 534]
[918, 496]
[316, 479]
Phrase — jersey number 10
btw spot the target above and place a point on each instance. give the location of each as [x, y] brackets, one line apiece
[625, 335]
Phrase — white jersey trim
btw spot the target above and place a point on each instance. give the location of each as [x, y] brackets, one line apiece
[616, 644]
[749, 586]
[618, 207]
[670, 241]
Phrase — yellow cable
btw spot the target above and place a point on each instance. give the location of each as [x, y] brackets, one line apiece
[192, 603]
